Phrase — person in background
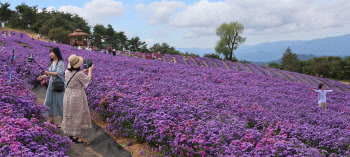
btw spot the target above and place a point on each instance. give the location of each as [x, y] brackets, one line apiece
[75, 104]
[53, 99]
[38, 36]
[322, 99]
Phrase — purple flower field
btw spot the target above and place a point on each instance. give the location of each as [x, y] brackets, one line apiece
[197, 111]
[21, 133]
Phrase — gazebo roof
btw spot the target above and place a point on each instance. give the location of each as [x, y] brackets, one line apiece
[78, 32]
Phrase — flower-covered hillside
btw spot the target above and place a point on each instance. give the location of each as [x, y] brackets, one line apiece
[21, 133]
[197, 111]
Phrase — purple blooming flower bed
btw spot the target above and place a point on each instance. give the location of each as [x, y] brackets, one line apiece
[341, 85]
[287, 75]
[199, 60]
[194, 111]
[169, 58]
[232, 65]
[219, 63]
[21, 133]
[210, 62]
[242, 67]
[179, 59]
[253, 68]
[310, 80]
[191, 62]
[264, 71]
[274, 71]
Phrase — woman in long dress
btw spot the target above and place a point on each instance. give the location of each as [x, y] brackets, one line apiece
[75, 105]
[54, 99]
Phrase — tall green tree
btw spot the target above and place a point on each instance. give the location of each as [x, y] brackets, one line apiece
[110, 36]
[5, 12]
[335, 67]
[164, 48]
[98, 36]
[304, 67]
[27, 15]
[290, 61]
[144, 49]
[59, 34]
[135, 44]
[41, 19]
[346, 68]
[122, 41]
[230, 35]
[221, 48]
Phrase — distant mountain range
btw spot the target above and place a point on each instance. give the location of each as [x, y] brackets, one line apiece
[301, 57]
[273, 51]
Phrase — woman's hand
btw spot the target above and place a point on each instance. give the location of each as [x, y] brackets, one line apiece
[85, 70]
[91, 68]
[46, 72]
[90, 71]
[40, 78]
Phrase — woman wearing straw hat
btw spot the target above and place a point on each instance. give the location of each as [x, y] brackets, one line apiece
[76, 114]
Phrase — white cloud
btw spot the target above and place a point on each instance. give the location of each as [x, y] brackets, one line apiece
[149, 40]
[160, 33]
[258, 16]
[50, 8]
[97, 11]
[159, 12]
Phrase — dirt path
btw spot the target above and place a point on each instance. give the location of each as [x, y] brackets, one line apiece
[346, 82]
[293, 76]
[248, 68]
[268, 70]
[183, 58]
[237, 66]
[226, 65]
[216, 65]
[174, 59]
[282, 75]
[205, 63]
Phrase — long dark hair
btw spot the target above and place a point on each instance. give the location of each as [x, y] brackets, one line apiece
[72, 68]
[58, 54]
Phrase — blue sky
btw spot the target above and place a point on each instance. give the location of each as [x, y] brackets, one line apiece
[192, 23]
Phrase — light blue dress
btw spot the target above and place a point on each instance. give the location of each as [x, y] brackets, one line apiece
[53, 99]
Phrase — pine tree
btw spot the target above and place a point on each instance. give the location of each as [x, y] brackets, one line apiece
[290, 61]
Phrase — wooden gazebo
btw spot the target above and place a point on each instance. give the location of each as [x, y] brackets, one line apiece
[79, 37]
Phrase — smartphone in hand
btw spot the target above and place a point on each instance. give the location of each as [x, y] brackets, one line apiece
[87, 64]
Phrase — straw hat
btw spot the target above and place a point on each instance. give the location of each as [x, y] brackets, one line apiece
[75, 61]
